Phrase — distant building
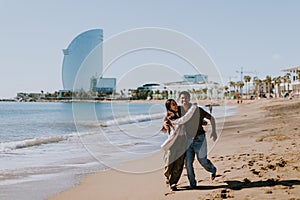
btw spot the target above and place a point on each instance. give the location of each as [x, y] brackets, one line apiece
[103, 85]
[294, 71]
[210, 89]
[197, 78]
[28, 97]
[149, 86]
[193, 83]
[93, 85]
[106, 85]
[77, 52]
[62, 94]
[294, 85]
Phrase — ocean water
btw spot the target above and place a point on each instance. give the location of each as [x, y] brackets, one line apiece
[48, 147]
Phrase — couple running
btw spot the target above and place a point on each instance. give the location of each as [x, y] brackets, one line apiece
[184, 125]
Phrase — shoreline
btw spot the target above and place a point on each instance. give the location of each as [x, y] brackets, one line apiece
[204, 102]
[254, 157]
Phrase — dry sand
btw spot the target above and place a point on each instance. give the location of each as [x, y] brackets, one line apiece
[257, 157]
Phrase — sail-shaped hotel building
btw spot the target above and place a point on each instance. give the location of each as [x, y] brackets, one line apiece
[78, 55]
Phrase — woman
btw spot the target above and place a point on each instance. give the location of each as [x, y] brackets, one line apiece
[175, 145]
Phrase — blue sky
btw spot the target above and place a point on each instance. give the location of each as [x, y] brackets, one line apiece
[260, 36]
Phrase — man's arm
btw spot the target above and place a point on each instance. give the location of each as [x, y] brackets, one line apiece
[213, 126]
[187, 116]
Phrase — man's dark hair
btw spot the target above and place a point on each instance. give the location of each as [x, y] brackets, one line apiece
[185, 93]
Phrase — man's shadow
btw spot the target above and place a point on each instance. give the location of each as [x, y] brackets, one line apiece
[238, 185]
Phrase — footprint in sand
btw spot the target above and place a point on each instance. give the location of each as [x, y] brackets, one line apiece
[269, 192]
[251, 163]
[254, 171]
[225, 194]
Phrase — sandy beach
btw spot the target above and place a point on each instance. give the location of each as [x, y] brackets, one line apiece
[257, 157]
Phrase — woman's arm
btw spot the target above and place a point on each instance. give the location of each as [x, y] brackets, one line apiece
[187, 116]
[167, 124]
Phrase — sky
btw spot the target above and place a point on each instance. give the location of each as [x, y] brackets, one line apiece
[261, 37]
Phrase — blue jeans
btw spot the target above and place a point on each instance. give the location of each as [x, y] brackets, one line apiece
[198, 146]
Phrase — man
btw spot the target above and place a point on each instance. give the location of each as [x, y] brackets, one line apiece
[196, 138]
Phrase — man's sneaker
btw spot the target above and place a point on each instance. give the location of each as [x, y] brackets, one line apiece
[173, 187]
[213, 176]
[192, 187]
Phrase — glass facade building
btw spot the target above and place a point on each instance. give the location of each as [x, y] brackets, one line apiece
[196, 78]
[77, 52]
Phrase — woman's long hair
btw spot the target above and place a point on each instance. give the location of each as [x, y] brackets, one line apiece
[170, 115]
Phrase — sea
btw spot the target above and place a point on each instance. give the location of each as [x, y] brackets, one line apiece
[48, 147]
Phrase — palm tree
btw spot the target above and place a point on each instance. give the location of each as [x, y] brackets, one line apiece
[240, 84]
[171, 94]
[232, 84]
[204, 91]
[55, 94]
[150, 94]
[274, 80]
[268, 82]
[247, 80]
[210, 92]
[286, 79]
[157, 92]
[239, 96]
[226, 90]
[198, 93]
[278, 82]
[257, 82]
[165, 94]
[193, 93]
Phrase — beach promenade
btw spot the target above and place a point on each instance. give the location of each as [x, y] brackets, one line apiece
[257, 157]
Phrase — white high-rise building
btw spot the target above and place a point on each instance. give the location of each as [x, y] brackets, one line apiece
[75, 55]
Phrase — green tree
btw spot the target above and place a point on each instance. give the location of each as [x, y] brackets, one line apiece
[204, 92]
[232, 84]
[286, 79]
[268, 81]
[247, 80]
[277, 81]
[171, 93]
[157, 92]
[240, 84]
[256, 82]
[134, 94]
[165, 94]
[274, 83]
[150, 94]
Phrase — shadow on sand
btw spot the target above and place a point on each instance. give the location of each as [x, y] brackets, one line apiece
[238, 185]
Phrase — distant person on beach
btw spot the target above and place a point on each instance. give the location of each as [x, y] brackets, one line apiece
[238, 97]
[196, 138]
[210, 108]
[175, 145]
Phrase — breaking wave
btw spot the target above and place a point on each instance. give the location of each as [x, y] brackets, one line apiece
[13, 145]
[131, 119]
[7, 146]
